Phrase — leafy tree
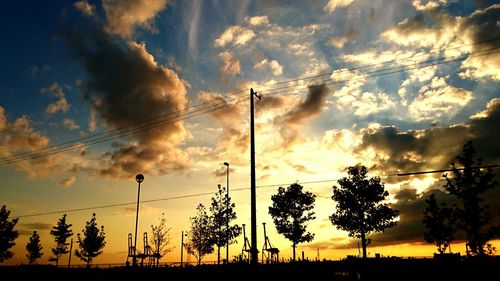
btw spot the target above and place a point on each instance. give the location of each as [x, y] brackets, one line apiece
[160, 239]
[61, 233]
[92, 243]
[200, 240]
[359, 209]
[291, 210]
[221, 217]
[467, 184]
[7, 234]
[34, 248]
[441, 224]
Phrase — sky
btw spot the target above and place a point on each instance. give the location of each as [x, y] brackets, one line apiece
[104, 90]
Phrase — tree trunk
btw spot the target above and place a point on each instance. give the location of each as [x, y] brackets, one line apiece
[293, 246]
[88, 262]
[218, 255]
[363, 244]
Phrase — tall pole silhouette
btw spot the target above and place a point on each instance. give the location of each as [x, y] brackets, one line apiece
[139, 178]
[253, 210]
[227, 211]
[182, 246]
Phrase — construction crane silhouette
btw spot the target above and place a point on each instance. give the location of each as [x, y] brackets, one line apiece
[270, 254]
[245, 252]
[147, 258]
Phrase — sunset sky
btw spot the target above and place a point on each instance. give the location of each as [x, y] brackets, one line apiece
[397, 85]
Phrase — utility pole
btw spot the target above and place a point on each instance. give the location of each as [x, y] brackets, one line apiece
[70, 250]
[253, 210]
[182, 246]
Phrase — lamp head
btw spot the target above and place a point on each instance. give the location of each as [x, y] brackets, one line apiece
[226, 164]
[139, 178]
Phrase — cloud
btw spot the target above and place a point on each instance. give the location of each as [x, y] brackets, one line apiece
[193, 22]
[126, 86]
[255, 21]
[85, 8]
[36, 226]
[230, 116]
[270, 102]
[481, 26]
[230, 65]
[415, 150]
[61, 104]
[70, 124]
[124, 15]
[430, 5]
[332, 5]
[340, 41]
[68, 181]
[305, 110]
[235, 35]
[273, 65]
[438, 99]
[20, 135]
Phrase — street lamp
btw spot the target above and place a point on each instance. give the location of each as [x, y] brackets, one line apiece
[182, 246]
[139, 178]
[227, 211]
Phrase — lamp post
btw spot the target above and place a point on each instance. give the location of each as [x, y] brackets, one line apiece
[227, 211]
[182, 245]
[139, 178]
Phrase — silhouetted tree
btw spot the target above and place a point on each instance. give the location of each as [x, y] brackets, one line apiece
[440, 223]
[221, 217]
[200, 240]
[92, 243]
[291, 210]
[359, 209]
[467, 184]
[34, 248]
[7, 234]
[61, 233]
[160, 239]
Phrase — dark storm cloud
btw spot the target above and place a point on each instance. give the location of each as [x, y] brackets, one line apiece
[126, 86]
[269, 102]
[435, 148]
[305, 110]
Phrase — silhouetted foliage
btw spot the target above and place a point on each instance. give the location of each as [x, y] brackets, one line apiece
[359, 209]
[61, 233]
[221, 216]
[34, 248]
[467, 184]
[92, 243]
[200, 238]
[440, 223]
[160, 239]
[7, 234]
[291, 210]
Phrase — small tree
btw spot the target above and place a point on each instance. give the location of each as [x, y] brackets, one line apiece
[61, 233]
[92, 243]
[440, 223]
[34, 248]
[160, 239]
[7, 234]
[291, 210]
[222, 214]
[359, 208]
[200, 240]
[467, 184]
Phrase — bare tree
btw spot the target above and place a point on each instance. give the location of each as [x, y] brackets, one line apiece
[160, 239]
[359, 209]
[200, 240]
[291, 210]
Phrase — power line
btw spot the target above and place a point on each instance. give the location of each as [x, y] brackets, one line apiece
[205, 108]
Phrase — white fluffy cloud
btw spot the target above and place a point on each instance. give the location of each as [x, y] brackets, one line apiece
[230, 65]
[275, 67]
[235, 35]
[124, 15]
[259, 20]
[332, 5]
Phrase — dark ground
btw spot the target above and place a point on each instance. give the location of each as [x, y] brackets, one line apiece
[355, 269]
